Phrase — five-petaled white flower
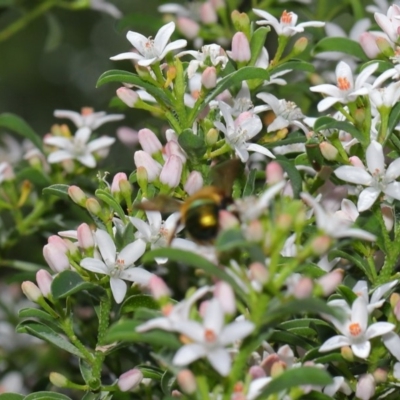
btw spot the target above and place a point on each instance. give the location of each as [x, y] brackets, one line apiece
[210, 338]
[346, 90]
[77, 147]
[151, 50]
[287, 24]
[238, 132]
[88, 117]
[355, 330]
[378, 180]
[118, 266]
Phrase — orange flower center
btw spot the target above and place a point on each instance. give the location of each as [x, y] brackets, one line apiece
[286, 18]
[355, 329]
[210, 335]
[343, 83]
[87, 110]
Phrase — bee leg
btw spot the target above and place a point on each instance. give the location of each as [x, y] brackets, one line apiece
[173, 232]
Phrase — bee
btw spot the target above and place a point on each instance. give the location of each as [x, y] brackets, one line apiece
[199, 213]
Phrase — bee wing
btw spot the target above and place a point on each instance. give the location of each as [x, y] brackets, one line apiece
[224, 174]
[160, 203]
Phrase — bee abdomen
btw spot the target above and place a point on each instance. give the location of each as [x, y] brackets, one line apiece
[202, 220]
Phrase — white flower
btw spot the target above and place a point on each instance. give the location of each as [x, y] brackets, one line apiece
[286, 112]
[6, 172]
[378, 180]
[355, 331]
[348, 211]
[210, 338]
[151, 50]
[333, 226]
[346, 90]
[385, 97]
[392, 342]
[118, 266]
[77, 147]
[88, 118]
[287, 24]
[390, 23]
[238, 132]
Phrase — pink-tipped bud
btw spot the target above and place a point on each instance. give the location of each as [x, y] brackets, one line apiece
[93, 206]
[209, 78]
[58, 242]
[127, 136]
[255, 231]
[256, 372]
[258, 272]
[368, 43]
[299, 46]
[388, 216]
[128, 96]
[328, 151]
[6, 172]
[227, 220]
[303, 288]
[120, 176]
[77, 195]
[217, 4]
[153, 168]
[158, 287]
[384, 46]
[55, 258]
[149, 141]
[278, 368]
[173, 148]
[129, 379]
[189, 28]
[31, 291]
[240, 48]
[44, 281]
[356, 162]
[171, 172]
[274, 173]
[208, 14]
[186, 381]
[321, 244]
[331, 281]
[85, 237]
[212, 137]
[365, 387]
[224, 293]
[380, 375]
[193, 183]
[170, 134]
[203, 307]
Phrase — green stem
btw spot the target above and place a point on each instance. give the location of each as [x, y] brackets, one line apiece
[22, 22]
[222, 150]
[384, 111]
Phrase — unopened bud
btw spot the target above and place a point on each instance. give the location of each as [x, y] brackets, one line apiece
[141, 175]
[85, 237]
[328, 151]
[356, 162]
[258, 272]
[208, 14]
[303, 288]
[274, 173]
[388, 216]
[347, 353]
[93, 206]
[193, 183]
[58, 380]
[299, 46]
[278, 368]
[209, 78]
[158, 287]
[255, 231]
[380, 375]
[321, 244]
[44, 281]
[256, 372]
[368, 43]
[153, 168]
[330, 281]
[395, 302]
[360, 115]
[365, 387]
[120, 176]
[212, 137]
[189, 28]
[173, 148]
[55, 258]
[241, 21]
[149, 141]
[217, 4]
[128, 96]
[171, 172]
[129, 379]
[224, 293]
[127, 136]
[31, 291]
[384, 46]
[77, 195]
[240, 48]
[187, 381]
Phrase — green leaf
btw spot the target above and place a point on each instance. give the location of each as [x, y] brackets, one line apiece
[134, 302]
[38, 178]
[250, 183]
[11, 396]
[24, 265]
[348, 295]
[167, 382]
[231, 239]
[18, 125]
[293, 173]
[342, 45]
[58, 190]
[151, 372]
[86, 371]
[194, 145]
[315, 396]
[296, 377]
[35, 313]
[257, 42]
[124, 330]
[46, 396]
[128, 77]
[49, 335]
[297, 65]
[67, 283]
[109, 200]
[195, 261]
[54, 32]
[394, 117]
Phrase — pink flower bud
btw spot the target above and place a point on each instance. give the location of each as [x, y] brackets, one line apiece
[173, 148]
[365, 387]
[217, 4]
[255, 231]
[356, 162]
[171, 172]
[328, 151]
[55, 258]
[224, 293]
[120, 176]
[240, 48]
[368, 43]
[58, 242]
[193, 183]
[85, 236]
[6, 172]
[303, 288]
[77, 195]
[93, 206]
[321, 244]
[380, 375]
[44, 281]
[388, 216]
[127, 136]
[209, 78]
[227, 220]
[258, 272]
[186, 381]
[149, 141]
[128, 96]
[189, 28]
[273, 172]
[130, 379]
[31, 291]
[170, 134]
[158, 287]
[153, 168]
[208, 14]
[331, 281]
[256, 372]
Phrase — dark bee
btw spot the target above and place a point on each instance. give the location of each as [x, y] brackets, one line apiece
[200, 212]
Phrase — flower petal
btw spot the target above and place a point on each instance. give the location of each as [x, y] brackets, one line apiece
[214, 316]
[362, 349]
[163, 36]
[375, 158]
[393, 190]
[95, 265]
[392, 342]
[367, 198]
[334, 343]
[138, 41]
[118, 288]
[355, 175]
[132, 252]
[235, 331]
[188, 353]
[379, 329]
[393, 170]
[143, 229]
[220, 361]
[106, 245]
[136, 274]
[259, 149]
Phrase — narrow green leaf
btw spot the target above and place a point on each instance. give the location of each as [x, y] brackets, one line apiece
[250, 183]
[54, 32]
[23, 265]
[151, 372]
[35, 313]
[394, 118]
[46, 396]
[342, 45]
[231, 239]
[86, 370]
[194, 145]
[295, 65]
[18, 125]
[257, 42]
[67, 283]
[291, 339]
[167, 381]
[109, 199]
[132, 303]
[38, 178]
[296, 377]
[294, 175]
[11, 396]
[195, 261]
[58, 190]
[49, 335]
